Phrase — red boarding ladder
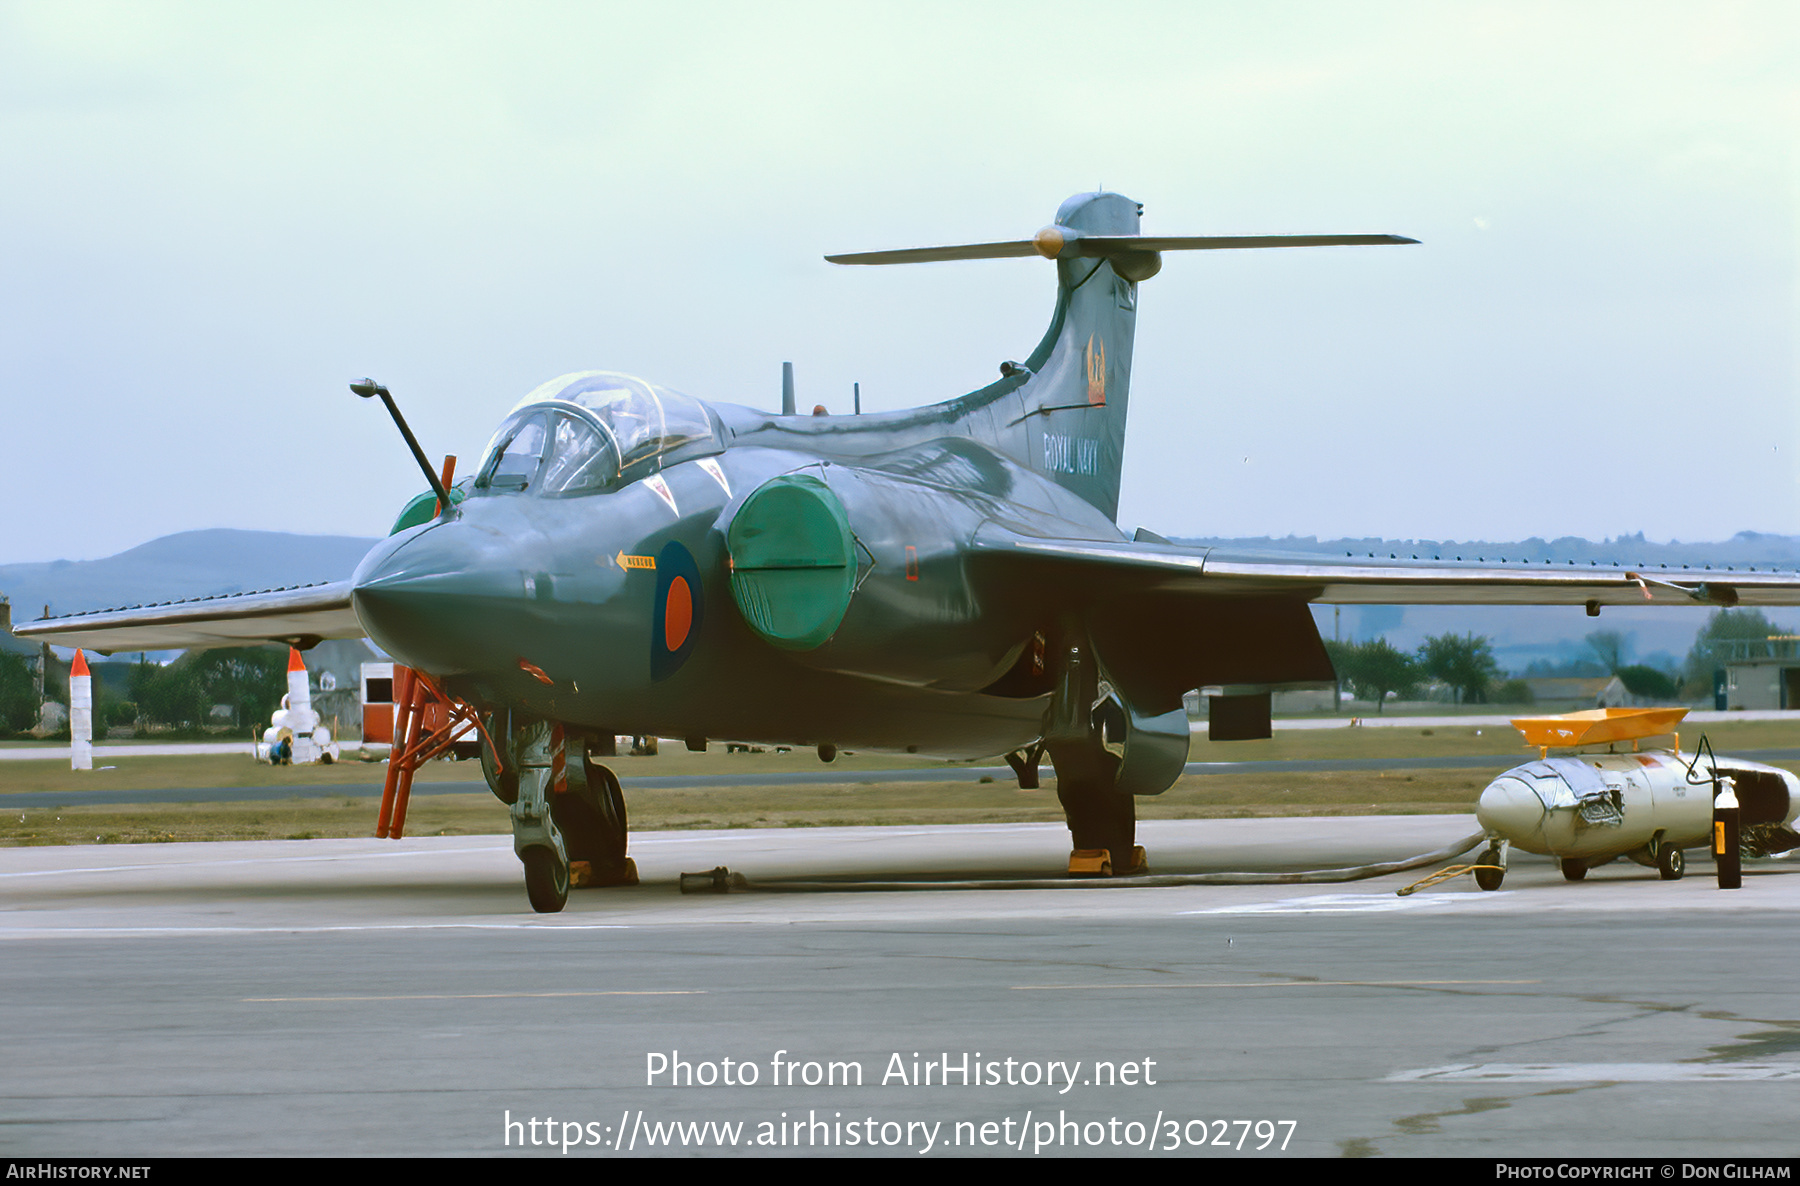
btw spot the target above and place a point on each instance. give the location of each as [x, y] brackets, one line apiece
[431, 721]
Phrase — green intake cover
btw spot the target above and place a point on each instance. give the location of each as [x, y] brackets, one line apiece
[793, 566]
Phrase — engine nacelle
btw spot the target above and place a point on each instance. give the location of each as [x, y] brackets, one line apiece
[858, 571]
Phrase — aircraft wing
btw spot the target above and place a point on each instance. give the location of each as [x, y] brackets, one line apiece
[299, 616]
[1167, 618]
[1386, 579]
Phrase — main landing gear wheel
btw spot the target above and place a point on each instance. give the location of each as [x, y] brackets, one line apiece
[1490, 879]
[546, 880]
[1670, 863]
[594, 827]
[1100, 819]
[1574, 868]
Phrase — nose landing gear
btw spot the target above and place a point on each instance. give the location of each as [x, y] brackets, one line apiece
[536, 838]
[569, 823]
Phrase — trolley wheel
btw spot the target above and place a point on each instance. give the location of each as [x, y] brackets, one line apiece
[1490, 879]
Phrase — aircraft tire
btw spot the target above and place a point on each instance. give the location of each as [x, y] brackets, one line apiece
[612, 799]
[1573, 868]
[609, 825]
[546, 880]
[1100, 817]
[1490, 879]
[1670, 863]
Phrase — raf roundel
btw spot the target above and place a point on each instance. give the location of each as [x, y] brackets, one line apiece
[676, 624]
[678, 614]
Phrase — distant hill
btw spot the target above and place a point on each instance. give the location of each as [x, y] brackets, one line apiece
[188, 564]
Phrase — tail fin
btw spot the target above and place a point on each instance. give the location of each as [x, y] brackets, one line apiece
[1070, 419]
[1062, 411]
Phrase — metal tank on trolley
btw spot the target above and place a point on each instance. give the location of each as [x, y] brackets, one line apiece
[1588, 808]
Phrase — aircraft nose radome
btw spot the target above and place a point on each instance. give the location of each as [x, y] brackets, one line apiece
[1510, 807]
[423, 597]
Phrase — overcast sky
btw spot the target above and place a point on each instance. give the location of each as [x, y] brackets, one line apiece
[216, 215]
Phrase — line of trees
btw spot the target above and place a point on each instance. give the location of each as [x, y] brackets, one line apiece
[1463, 662]
[1712, 646]
[18, 694]
[1640, 679]
[249, 680]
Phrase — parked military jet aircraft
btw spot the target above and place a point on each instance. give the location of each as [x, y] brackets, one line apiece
[947, 580]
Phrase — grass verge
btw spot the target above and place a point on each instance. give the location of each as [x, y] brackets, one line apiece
[322, 813]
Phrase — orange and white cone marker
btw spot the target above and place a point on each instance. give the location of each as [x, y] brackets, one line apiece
[81, 715]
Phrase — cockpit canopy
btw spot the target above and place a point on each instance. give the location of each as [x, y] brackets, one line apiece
[593, 431]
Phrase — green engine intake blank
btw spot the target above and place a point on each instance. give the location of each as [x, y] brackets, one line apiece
[792, 562]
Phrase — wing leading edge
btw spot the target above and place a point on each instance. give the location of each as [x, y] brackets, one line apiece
[1136, 567]
[301, 616]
